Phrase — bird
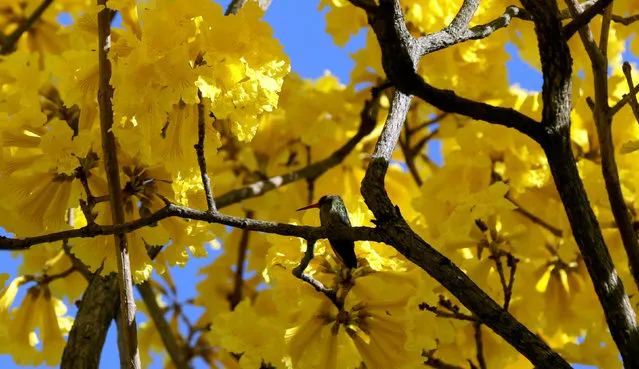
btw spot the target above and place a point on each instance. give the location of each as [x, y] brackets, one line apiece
[333, 213]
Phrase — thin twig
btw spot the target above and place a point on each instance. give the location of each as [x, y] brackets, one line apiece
[310, 182]
[634, 104]
[319, 286]
[624, 99]
[419, 146]
[479, 343]
[199, 149]
[309, 254]
[173, 349]
[130, 356]
[535, 219]
[235, 6]
[496, 256]
[429, 123]
[10, 41]
[236, 297]
[409, 156]
[439, 364]
[626, 21]
[46, 279]
[451, 311]
[579, 21]
[512, 264]
[172, 210]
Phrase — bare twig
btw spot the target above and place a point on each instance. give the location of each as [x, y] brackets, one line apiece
[128, 328]
[319, 287]
[236, 297]
[624, 100]
[626, 21]
[173, 349]
[199, 149]
[439, 364]
[409, 156]
[460, 32]
[428, 123]
[310, 182]
[479, 343]
[634, 104]
[235, 5]
[9, 43]
[584, 17]
[535, 219]
[450, 312]
[367, 124]
[512, 265]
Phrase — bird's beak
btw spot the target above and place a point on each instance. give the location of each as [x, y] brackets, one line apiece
[309, 207]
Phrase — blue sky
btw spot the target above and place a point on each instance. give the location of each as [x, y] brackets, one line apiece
[312, 52]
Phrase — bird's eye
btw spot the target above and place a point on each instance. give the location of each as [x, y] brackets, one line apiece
[322, 199]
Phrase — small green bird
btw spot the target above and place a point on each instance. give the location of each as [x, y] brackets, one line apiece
[333, 213]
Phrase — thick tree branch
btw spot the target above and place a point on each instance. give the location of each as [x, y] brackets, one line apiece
[603, 122]
[398, 234]
[169, 340]
[97, 308]
[557, 90]
[109, 150]
[9, 43]
[400, 55]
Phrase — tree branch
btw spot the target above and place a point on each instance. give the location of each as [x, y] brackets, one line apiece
[479, 343]
[584, 18]
[236, 297]
[172, 210]
[398, 234]
[169, 340]
[367, 124]
[603, 122]
[634, 104]
[96, 310]
[319, 287]
[199, 149]
[626, 21]
[557, 92]
[447, 37]
[236, 5]
[9, 43]
[400, 54]
[105, 93]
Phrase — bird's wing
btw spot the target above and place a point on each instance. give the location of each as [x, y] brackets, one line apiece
[343, 217]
